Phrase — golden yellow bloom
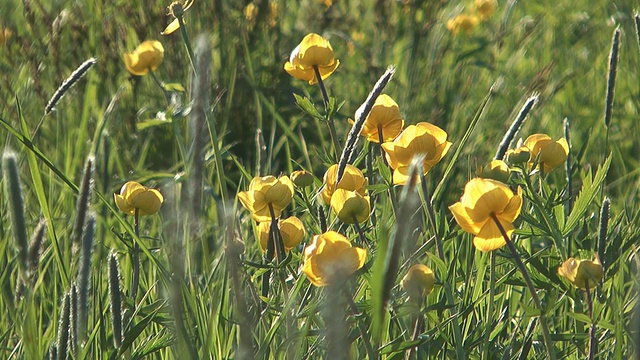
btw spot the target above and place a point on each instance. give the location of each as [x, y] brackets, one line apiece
[552, 153]
[496, 170]
[463, 22]
[385, 115]
[314, 50]
[582, 272]
[5, 34]
[147, 56]
[350, 206]
[486, 8]
[272, 17]
[135, 196]
[302, 178]
[421, 139]
[176, 9]
[265, 191]
[518, 156]
[251, 12]
[291, 229]
[352, 180]
[418, 282]
[330, 259]
[482, 199]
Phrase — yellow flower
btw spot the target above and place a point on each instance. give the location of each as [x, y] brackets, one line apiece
[302, 178]
[418, 282]
[352, 180]
[582, 272]
[386, 115]
[496, 170]
[482, 199]
[463, 22]
[265, 191]
[330, 259]
[486, 8]
[518, 156]
[147, 56]
[5, 34]
[291, 230]
[350, 206]
[552, 153]
[251, 12]
[135, 196]
[421, 139]
[314, 50]
[176, 9]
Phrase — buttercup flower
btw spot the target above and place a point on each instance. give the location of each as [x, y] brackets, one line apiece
[418, 282]
[352, 180]
[463, 22]
[176, 9]
[330, 259]
[582, 272]
[552, 153]
[135, 196]
[147, 56]
[350, 206]
[421, 139]
[385, 115]
[496, 170]
[314, 50]
[518, 156]
[265, 191]
[482, 199]
[302, 178]
[486, 8]
[5, 34]
[291, 230]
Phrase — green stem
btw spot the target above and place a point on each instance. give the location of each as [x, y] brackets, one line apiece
[328, 117]
[432, 216]
[363, 331]
[167, 98]
[592, 329]
[361, 236]
[381, 140]
[525, 274]
[187, 43]
[492, 290]
[417, 325]
[277, 239]
[135, 256]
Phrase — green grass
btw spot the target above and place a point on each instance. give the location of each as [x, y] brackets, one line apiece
[200, 264]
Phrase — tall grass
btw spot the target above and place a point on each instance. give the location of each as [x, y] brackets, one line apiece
[201, 137]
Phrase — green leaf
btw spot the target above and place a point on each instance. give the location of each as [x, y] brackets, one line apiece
[307, 106]
[174, 87]
[590, 187]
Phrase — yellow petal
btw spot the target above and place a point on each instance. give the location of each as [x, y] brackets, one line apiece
[463, 219]
[122, 204]
[148, 202]
[147, 56]
[350, 206]
[419, 281]
[490, 238]
[292, 231]
[172, 27]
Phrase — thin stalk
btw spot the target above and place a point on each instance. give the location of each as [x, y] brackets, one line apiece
[167, 98]
[187, 43]
[277, 239]
[363, 239]
[363, 331]
[381, 140]
[592, 329]
[432, 215]
[135, 257]
[492, 290]
[417, 325]
[328, 118]
[534, 295]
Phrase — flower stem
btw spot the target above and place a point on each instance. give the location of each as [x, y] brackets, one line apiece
[432, 215]
[277, 239]
[525, 274]
[328, 117]
[363, 331]
[417, 326]
[492, 290]
[592, 329]
[187, 44]
[136, 256]
[363, 239]
[160, 84]
[381, 140]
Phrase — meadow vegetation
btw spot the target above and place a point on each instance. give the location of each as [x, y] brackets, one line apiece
[319, 179]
